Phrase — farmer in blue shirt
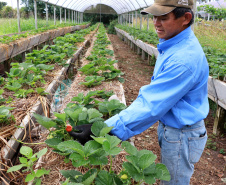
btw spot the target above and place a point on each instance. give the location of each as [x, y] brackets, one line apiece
[177, 95]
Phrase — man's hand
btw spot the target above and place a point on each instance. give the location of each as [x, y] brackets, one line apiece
[83, 134]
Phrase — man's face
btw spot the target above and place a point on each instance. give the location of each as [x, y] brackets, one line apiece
[167, 26]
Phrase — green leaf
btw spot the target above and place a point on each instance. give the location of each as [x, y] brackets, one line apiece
[130, 149]
[41, 172]
[91, 147]
[146, 160]
[71, 146]
[37, 181]
[41, 152]
[53, 142]
[14, 87]
[23, 160]
[99, 139]
[29, 177]
[104, 178]
[74, 115]
[73, 175]
[60, 116]
[44, 121]
[27, 151]
[94, 113]
[162, 172]
[89, 177]
[105, 131]
[133, 171]
[15, 168]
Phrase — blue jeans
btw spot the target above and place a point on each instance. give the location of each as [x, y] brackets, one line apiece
[181, 149]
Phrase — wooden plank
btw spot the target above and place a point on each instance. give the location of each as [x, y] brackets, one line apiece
[219, 121]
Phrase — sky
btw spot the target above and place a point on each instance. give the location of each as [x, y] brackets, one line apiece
[12, 3]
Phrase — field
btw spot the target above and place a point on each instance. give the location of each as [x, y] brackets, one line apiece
[9, 26]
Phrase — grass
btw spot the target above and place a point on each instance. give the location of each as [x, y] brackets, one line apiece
[209, 33]
[10, 25]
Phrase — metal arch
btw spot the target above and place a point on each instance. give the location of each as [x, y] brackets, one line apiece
[117, 9]
[120, 2]
[69, 4]
[113, 6]
[145, 2]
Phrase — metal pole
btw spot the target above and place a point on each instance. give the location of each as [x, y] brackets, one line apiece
[140, 21]
[136, 19]
[129, 18]
[47, 15]
[72, 16]
[147, 22]
[60, 15]
[18, 16]
[54, 15]
[65, 16]
[132, 19]
[35, 9]
[76, 17]
[194, 11]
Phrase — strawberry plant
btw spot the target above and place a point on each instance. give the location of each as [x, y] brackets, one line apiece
[5, 115]
[93, 81]
[95, 154]
[28, 162]
[111, 108]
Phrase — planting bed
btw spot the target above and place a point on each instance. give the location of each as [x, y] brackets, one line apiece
[35, 102]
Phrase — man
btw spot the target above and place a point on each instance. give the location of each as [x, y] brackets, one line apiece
[177, 94]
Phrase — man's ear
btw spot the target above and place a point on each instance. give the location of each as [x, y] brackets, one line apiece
[187, 18]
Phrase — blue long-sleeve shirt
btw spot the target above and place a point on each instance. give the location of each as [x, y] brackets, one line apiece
[177, 94]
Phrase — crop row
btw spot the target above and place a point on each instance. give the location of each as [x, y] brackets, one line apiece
[5, 39]
[27, 79]
[216, 59]
[93, 108]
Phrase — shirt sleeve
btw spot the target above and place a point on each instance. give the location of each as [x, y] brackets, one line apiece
[154, 100]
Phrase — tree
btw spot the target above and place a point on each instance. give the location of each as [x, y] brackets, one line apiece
[8, 12]
[2, 4]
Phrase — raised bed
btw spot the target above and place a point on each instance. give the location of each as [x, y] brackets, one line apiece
[8, 152]
[8, 51]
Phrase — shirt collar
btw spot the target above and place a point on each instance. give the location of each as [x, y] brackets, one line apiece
[165, 44]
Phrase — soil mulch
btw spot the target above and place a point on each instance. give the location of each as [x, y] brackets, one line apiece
[211, 169]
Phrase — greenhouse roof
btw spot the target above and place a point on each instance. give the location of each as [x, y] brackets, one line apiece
[216, 4]
[120, 6]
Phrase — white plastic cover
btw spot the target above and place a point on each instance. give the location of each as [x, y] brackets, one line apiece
[120, 6]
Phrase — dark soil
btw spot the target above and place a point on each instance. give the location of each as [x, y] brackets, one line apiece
[211, 169]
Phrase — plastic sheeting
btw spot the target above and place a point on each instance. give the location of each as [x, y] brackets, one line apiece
[120, 6]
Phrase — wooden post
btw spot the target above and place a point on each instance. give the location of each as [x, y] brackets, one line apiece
[7, 65]
[60, 15]
[132, 19]
[23, 56]
[36, 19]
[129, 18]
[47, 15]
[54, 8]
[18, 16]
[138, 50]
[75, 16]
[65, 14]
[69, 16]
[143, 55]
[219, 121]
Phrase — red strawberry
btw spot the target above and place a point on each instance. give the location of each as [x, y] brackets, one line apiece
[68, 128]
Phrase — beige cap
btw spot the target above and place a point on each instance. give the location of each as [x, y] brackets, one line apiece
[162, 7]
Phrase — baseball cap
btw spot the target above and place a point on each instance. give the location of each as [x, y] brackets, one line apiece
[162, 7]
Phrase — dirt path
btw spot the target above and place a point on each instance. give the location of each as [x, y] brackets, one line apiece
[211, 169]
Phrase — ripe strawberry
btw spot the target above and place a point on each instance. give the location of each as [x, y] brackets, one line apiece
[68, 128]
